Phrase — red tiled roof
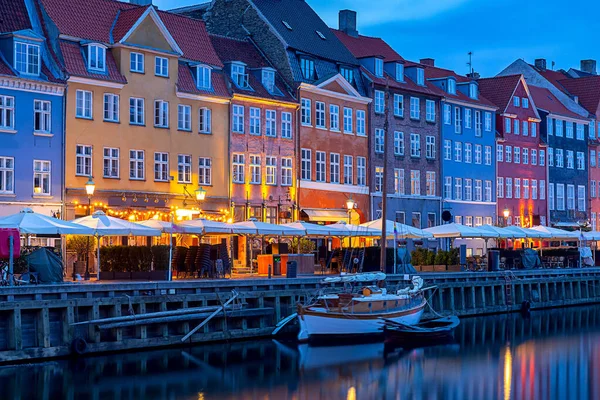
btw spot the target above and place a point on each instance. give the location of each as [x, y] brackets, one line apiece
[13, 16]
[186, 83]
[75, 64]
[366, 46]
[545, 100]
[125, 20]
[408, 84]
[552, 76]
[499, 90]
[4, 68]
[587, 89]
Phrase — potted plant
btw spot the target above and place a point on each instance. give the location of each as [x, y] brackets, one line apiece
[82, 246]
[122, 266]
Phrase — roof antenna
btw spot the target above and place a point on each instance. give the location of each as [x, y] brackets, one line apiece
[470, 63]
[553, 64]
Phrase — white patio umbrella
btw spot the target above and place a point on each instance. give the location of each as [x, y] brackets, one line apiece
[103, 225]
[526, 233]
[593, 235]
[555, 233]
[502, 233]
[256, 228]
[402, 231]
[163, 226]
[455, 230]
[32, 223]
[204, 227]
[350, 230]
[316, 230]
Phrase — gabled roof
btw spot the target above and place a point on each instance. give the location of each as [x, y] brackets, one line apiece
[586, 89]
[552, 76]
[13, 16]
[75, 64]
[366, 46]
[304, 24]
[499, 90]
[408, 84]
[125, 21]
[545, 100]
[4, 68]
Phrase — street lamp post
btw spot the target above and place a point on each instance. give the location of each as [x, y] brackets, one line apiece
[506, 214]
[350, 203]
[90, 186]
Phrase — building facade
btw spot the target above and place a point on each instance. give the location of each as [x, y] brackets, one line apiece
[407, 105]
[32, 91]
[147, 110]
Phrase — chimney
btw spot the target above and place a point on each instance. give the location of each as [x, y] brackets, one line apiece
[588, 66]
[474, 75]
[540, 63]
[141, 2]
[428, 61]
[347, 22]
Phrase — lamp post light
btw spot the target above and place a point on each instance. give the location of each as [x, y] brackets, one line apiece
[90, 187]
[506, 214]
[200, 194]
[350, 204]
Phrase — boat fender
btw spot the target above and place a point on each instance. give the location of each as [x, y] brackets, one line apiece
[526, 307]
[79, 346]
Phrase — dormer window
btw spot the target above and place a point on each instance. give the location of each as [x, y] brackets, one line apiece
[238, 74]
[96, 57]
[307, 66]
[378, 67]
[399, 72]
[204, 77]
[347, 73]
[27, 58]
[268, 79]
[451, 86]
[473, 91]
[420, 76]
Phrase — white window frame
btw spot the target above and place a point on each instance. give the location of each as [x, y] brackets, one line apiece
[306, 165]
[204, 120]
[334, 117]
[361, 171]
[237, 125]
[348, 128]
[334, 167]
[415, 108]
[398, 105]
[430, 149]
[135, 61]
[320, 114]
[430, 110]
[361, 129]
[305, 112]
[286, 125]
[379, 102]
[379, 141]
[415, 145]
[184, 168]
[7, 175]
[399, 143]
[271, 123]
[255, 169]
[96, 57]
[271, 170]
[205, 171]
[111, 107]
[84, 104]
[42, 116]
[42, 171]
[7, 112]
[84, 160]
[204, 77]
[24, 53]
[238, 174]
[415, 182]
[161, 114]
[161, 66]
[286, 171]
[184, 117]
[111, 163]
[137, 165]
[255, 119]
[348, 170]
[161, 166]
[137, 104]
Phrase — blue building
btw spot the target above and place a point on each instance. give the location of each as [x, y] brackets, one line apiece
[31, 115]
[468, 162]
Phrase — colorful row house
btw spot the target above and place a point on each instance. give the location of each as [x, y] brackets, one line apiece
[32, 92]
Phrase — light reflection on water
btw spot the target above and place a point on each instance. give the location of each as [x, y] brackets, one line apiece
[552, 355]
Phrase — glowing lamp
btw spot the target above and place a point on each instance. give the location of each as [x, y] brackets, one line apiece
[350, 203]
[200, 194]
[90, 186]
[506, 213]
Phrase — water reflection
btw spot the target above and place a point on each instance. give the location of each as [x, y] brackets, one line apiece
[552, 355]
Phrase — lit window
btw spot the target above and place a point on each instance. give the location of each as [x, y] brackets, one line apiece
[41, 177]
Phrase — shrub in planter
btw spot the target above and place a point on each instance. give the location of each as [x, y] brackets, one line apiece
[145, 259]
[430, 257]
[160, 257]
[441, 258]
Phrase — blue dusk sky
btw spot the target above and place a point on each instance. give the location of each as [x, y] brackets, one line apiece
[496, 31]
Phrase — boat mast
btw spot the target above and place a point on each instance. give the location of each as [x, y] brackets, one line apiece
[386, 110]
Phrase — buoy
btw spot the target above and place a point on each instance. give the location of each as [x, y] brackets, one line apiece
[79, 346]
[525, 307]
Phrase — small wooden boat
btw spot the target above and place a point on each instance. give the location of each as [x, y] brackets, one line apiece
[432, 331]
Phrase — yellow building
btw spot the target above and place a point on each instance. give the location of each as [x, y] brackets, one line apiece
[146, 111]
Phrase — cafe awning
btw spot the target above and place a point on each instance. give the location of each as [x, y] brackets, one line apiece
[326, 214]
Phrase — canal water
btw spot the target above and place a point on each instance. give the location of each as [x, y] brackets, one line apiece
[552, 354]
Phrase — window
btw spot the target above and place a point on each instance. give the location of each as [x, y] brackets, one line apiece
[500, 152]
[378, 67]
[415, 145]
[286, 125]
[111, 107]
[468, 220]
[525, 156]
[500, 187]
[286, 171]
[507, 125]
[399, 183]
[534, 189]
[271, 165]
[533, 157]
[136, 62]
[448, 187]
[570, 197]
[517, 155]
[305, 112]
[239, 76]
[7, 112]
[457, 120]
[271, 122]
[478, 154]
[239, 166]
[468, 118]
[348, 74]
[551, 157]
[415, 108]
[488, 155]
[7, 175]
[111, 162]
[83, 106]
[161, 167]
[205, 170]
[551, 196]
[430, 183]
[361, 129]
[525, 128]
[161, 66]
[41, 177]
[580, 160]
[447, 149]
[458, 219]
[533, 129]
[348, 170]
[136, 164]
[184, 168]
[378, 179]
[542, 190]
[347, 120]
[526, 189]
[542, 158]
[204, 77]
[468, 153]
[136, 111]
[592, 129]
[255, 121]
[334, 168]
[41, 116]
[447, 114]
[361, 171]
[96, 57]
[525, 102]
[334, 117]
[569, 133]
[560, 197]
[401, 217]
[420, 76]
[27, 58]
[488, 121]
[516, 101]
[379, 102]
[593, 189]
[238, 119]
[570, 159]
[451, 86]
[305, 166]
[83, 160]
[458, 151]
[255, 174]
[319, 114]
[379, 141]
[399, 72]
[509, 188]
[516, 125]
[473, 91]
[549, 125]
[307, 66]
[430, 147]
[161, 114]
[517, 188]
[268, 79]
[468, 194]
[477, 123]
[508, 153]
[558, 128]
[430, 110]
[184, 117]
[592, 158]
[398, 105]
[320, 166]
[458, 189]
[415, 182]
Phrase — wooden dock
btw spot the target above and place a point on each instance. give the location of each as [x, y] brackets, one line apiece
[38, 322]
